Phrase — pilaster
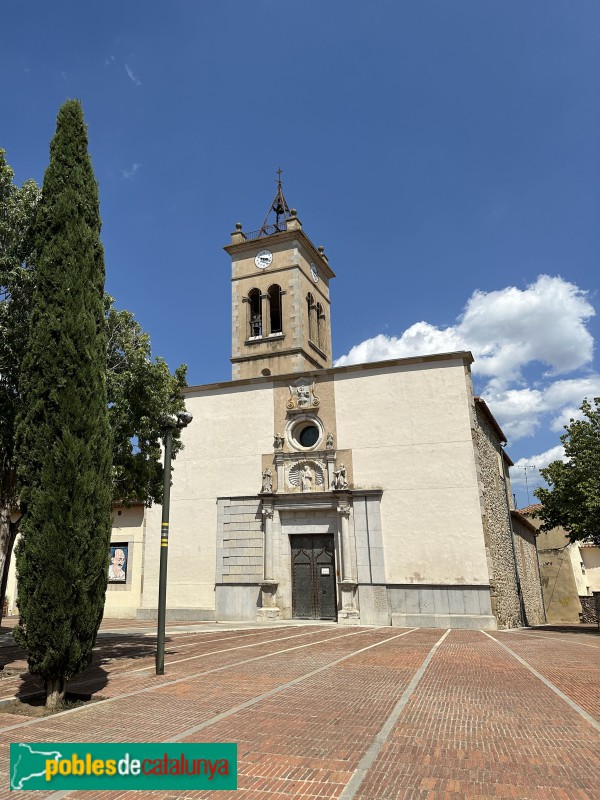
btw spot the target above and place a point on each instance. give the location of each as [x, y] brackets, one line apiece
[268, 586]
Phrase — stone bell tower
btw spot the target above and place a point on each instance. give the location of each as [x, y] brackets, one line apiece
[281, 318]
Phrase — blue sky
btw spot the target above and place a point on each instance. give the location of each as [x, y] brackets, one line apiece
[446, 154]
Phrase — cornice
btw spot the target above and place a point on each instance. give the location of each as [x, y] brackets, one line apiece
[461, 355]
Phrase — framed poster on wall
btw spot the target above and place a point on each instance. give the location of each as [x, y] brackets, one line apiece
[117, 570]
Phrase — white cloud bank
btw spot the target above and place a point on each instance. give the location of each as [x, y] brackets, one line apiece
[507, 331]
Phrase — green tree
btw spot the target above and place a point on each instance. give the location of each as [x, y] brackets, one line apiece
[63, 438]
[140, 389]
[17, 210]
[573, 499]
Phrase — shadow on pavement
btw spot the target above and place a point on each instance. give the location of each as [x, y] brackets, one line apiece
[582, 629]
[110, 652]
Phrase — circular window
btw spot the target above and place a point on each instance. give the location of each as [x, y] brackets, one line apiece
[309, 436]
[304, 433]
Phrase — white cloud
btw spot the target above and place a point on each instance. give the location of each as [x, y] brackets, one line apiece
[521, 410]
[509, 330]
[560, 393]
[518, 410]
[505, 329]
[564, 418]
[419, 339]
[130, 173]
[545, 322]
[134, 79]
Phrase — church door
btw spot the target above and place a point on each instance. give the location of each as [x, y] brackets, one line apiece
[313, 577]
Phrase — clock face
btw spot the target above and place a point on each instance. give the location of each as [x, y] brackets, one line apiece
[314, 273]
[263, 259]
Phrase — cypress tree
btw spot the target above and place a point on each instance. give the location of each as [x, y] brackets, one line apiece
[63, 441]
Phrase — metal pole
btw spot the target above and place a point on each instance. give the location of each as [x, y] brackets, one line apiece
[539, 572]
[164, 554]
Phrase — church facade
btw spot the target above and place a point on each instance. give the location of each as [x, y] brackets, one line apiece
[369, 494]
[373, 494]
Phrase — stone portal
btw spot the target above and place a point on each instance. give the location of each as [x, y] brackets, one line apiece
[313, 577]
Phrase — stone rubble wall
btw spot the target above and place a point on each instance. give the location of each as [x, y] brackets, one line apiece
[589, 610]
[529, 574]
[497, 532]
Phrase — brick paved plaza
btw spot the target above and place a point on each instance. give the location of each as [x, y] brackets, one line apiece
[321, 711]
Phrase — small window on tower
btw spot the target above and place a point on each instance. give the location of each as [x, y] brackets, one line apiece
[254, 313]
[275, 309]
[310, 302]
[321, 337]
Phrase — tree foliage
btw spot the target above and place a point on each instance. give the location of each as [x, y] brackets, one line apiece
[573, 499]
[63, 439]
[140, 392]
[17, 211]
[140, 389]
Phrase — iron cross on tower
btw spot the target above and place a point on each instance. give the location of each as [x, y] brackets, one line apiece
[279, 206]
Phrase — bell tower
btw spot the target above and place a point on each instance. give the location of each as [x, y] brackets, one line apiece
[281, 319]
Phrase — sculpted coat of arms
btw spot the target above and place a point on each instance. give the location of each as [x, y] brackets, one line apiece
[302, 395]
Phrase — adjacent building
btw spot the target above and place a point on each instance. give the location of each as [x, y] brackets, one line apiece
[570, 572]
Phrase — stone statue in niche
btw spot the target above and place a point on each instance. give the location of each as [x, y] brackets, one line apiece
[278, 443]
[306, 476]
[339, 478]
[302, 395]
[267, 481]
[329, 442]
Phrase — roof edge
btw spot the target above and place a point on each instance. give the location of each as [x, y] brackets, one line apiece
[491, 419]
[524, 521]
[464, 355]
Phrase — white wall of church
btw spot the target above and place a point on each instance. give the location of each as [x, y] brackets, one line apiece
[409, 430]
[231, 428]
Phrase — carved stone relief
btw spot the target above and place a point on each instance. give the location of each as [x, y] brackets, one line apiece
[339, 478]
[302, 396]
[308, 476]
[267, 481]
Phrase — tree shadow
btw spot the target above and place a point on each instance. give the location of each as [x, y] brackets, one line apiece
[110, 651]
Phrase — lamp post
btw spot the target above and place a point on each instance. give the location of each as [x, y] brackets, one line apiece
[171, 422]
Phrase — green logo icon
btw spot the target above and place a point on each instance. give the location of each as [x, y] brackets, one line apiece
[117, 766]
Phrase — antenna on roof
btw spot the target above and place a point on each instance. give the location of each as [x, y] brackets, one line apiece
[525, 468]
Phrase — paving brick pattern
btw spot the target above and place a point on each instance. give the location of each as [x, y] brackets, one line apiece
[573, 667]
[305, 704]
[480, 725]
